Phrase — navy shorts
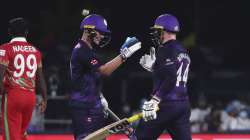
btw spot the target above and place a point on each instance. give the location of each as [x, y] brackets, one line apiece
[86, 120]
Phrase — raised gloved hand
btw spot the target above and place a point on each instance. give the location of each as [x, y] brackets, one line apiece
[130, 46]
[147, 61]
[149, 109]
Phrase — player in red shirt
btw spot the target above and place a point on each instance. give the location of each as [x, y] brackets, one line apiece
[20, 76]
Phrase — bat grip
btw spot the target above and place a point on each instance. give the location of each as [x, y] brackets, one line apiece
[135, 118]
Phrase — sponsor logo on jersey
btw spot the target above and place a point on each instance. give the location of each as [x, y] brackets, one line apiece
[94, 62]
[169, 62]
[89, 119]
[2, 52]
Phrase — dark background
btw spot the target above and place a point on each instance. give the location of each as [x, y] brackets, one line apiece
[216, 32]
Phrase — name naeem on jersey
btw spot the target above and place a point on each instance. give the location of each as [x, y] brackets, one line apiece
[20, 49]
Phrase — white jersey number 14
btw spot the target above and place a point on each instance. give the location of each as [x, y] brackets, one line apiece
[182, 77]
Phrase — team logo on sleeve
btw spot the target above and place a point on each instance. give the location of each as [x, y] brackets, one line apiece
[2, 52]
[169, 62]
[93, 61]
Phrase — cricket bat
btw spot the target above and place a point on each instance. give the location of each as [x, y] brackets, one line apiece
[113, 115]
[128, 131]
[115, 127]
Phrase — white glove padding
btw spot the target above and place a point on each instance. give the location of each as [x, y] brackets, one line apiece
[130, 46]
[104, 102]
[147, 61]
[149, 109]
[105, 105]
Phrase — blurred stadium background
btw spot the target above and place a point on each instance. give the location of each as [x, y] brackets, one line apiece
[216, 32]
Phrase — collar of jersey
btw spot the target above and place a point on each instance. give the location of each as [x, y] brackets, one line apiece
[168, 42]
[84, 44]
[20, 39]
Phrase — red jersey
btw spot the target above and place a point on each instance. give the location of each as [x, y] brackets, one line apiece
[22, 60]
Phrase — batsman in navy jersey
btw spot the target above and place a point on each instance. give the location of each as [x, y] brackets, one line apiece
[169, 67]
[87, 104]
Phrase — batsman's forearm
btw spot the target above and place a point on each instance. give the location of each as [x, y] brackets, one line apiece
[2, 71]
[108, 68]
[1, 83]
[43, 88]
[41, 84]
[1, 87]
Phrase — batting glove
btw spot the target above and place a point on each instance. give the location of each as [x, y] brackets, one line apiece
[105, 105]
[149, 109]
[130, 46]
[147, 61]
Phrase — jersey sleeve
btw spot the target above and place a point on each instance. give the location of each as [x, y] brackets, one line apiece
[166, 69]
[166, 63]
[89, 58]
[4, 56]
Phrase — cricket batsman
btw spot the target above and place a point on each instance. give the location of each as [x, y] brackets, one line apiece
[20, 76]
[169, 67]
[87, 104]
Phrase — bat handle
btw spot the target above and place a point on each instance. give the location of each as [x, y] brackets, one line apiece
[135, 118]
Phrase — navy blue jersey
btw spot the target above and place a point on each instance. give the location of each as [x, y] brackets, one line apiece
[170, 71]
[85, 78]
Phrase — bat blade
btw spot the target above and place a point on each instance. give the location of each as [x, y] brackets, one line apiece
[107, 130]
[113, 128]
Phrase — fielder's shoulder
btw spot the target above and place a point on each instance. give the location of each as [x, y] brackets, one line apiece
[3, 46]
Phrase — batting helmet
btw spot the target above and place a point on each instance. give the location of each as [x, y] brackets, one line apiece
[95, 22]
[167, 22]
